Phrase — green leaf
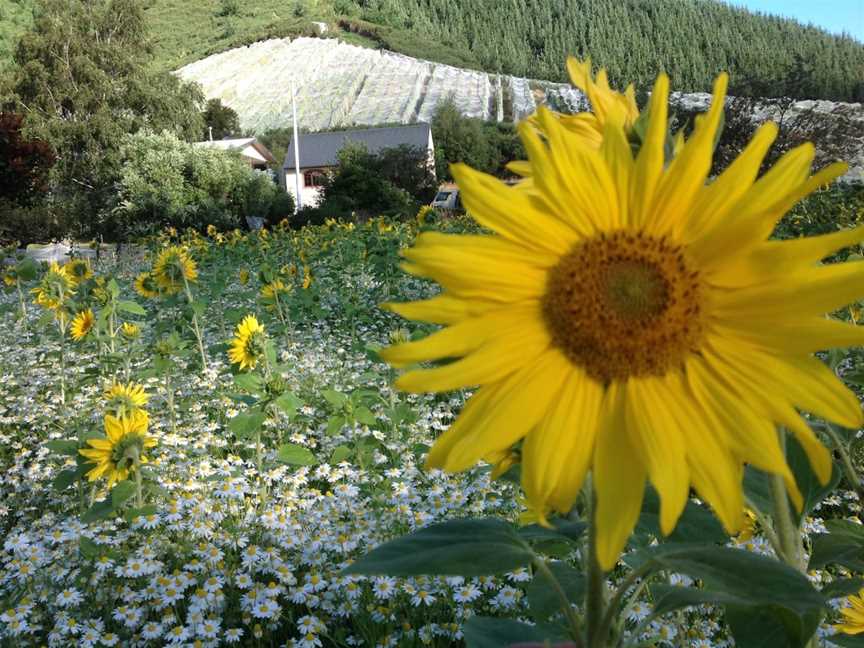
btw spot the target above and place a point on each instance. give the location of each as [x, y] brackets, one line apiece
[296, 455]
[27, 269]
[471, 547]
[113, 288]
[812, 491]
[490, 632]
[131, 307]
[761, 591]
[363, 415]
[335, 398]
[340, 454]
[101, 510]
[335, 424]
[253, 383]
[696, 524]
[542, 596]
[288, 403]
[757, 488]
[768, 627]
[63, 447]
[65, 479]
[89, 549]
[847, 641]
[842, 587]
[121, 492]
[246, 424]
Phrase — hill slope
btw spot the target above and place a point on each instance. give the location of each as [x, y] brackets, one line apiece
[691, 39]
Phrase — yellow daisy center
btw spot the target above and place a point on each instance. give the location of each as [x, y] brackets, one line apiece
[625, 304]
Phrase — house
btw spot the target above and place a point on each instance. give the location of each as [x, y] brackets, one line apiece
[319, 153]
[251, 150]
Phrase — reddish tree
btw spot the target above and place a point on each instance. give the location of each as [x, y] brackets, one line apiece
[24, 163]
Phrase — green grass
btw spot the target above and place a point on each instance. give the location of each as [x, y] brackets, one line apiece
[183, 31]
[15, 17]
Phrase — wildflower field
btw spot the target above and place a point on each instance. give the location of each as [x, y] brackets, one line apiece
[202, 443]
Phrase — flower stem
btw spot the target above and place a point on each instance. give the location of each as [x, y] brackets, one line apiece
[22, 303]
[195, 325]
[787, 531]
[848, 467]
[594, 596]
[139, 492]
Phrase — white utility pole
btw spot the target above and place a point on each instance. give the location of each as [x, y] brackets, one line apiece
[298, 202]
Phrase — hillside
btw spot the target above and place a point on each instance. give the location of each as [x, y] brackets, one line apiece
[692, 39]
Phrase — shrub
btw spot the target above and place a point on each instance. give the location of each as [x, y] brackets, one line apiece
[168, 182]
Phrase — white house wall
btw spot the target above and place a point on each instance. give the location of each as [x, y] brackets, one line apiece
[309, 195]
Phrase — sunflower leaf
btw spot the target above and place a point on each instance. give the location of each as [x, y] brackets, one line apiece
[296, 455]
[246, 424]
[131, 307]
[490, 632]
[121, 492]
[470, 547]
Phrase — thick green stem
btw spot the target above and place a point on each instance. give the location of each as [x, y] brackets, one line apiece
[787, 531]
[848, 467]
[594, 595]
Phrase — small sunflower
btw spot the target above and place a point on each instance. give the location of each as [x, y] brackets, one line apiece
[629, 318]
[117, 454]
[82, 324]
[244, 277]
[79, 270]
[853, 616]
[247, 347]
[126, 400]
[55, 288]
[145, 285]
[130, 331]
[272, 291]
[10, 276]
[307, 277]
[173, 268]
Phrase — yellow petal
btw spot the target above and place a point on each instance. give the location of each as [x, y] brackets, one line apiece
[658, 436]
[509, 350]
[649, 161]
[619, 480]
[513, 409]
[464, 337]
[443, 309]
[511, 212]
[686, 175]
[557, 454]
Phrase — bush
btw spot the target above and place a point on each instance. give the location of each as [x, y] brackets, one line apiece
[32, 224]
[168, 182]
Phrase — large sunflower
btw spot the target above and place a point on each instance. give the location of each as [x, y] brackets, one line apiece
[173, 268]
[627, 318]
[146, 286]
[247, 346]
[125, 442]
[82, 324]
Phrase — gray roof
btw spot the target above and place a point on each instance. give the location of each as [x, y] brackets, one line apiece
[321, 149]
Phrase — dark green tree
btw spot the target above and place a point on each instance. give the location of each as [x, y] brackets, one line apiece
[460, 139]
[83, 81]
[222, 119]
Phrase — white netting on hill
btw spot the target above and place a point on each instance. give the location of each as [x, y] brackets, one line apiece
[340, 84]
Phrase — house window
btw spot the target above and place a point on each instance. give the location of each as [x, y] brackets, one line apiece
[313, 179]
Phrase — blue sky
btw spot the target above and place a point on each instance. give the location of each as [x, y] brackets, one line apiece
[833, 15]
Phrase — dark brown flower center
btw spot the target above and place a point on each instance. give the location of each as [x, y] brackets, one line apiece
[625, 304]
